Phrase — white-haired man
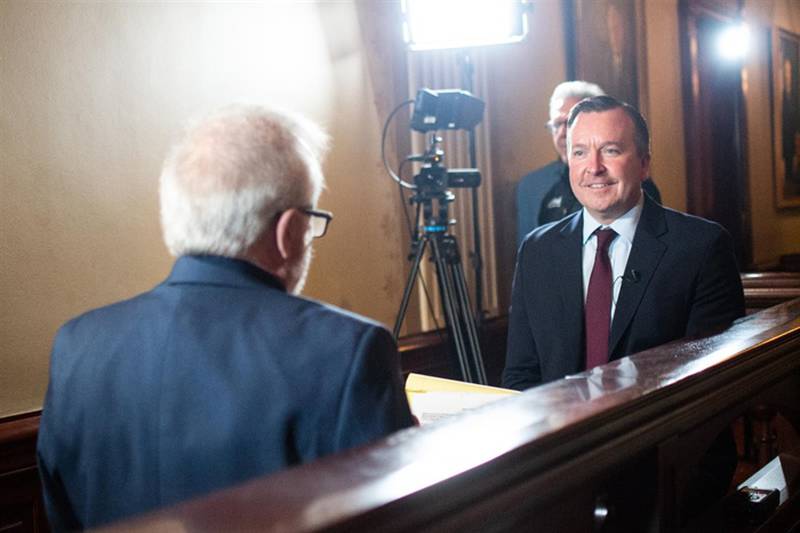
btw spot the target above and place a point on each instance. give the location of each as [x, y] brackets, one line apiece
[221, 373]
[544, 195]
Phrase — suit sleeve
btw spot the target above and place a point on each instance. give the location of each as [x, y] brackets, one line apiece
[56, 503]
[522, 369]
[373, 401]
[718, 296]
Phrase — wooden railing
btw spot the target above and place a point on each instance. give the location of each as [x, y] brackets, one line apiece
[544, 460]
[20, 501]
[765, 289]
[21, 506]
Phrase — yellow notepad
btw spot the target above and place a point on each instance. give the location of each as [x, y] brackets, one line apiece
[433, 398]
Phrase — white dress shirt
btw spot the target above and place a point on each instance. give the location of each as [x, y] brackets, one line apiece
[618, 251]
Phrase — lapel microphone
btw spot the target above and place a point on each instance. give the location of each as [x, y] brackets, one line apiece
[633, 276]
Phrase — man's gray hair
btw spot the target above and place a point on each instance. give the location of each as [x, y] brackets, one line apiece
[573, 89]
[232, 173]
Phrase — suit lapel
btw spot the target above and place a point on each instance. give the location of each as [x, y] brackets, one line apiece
[646, 253]
[568, 263]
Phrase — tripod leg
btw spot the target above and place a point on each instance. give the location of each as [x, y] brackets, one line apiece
[466, 329]
[449, 303]
[412, 276]
[468, 318]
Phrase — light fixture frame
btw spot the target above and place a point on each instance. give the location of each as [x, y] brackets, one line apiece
[523, 7]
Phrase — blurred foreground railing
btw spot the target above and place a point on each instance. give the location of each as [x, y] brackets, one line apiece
[551, 459]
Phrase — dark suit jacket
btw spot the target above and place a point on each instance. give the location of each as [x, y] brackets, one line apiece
[215, 376]
[686, 283]
[531, 190]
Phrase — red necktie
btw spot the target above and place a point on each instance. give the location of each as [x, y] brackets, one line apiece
[597, 312]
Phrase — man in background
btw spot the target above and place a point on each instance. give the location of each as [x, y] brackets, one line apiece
[221, 373]
[544, 195]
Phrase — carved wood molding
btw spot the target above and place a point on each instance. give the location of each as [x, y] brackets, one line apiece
[18, 442]
[19, 428]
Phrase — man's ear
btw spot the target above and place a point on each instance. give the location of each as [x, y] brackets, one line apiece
[645, 167]
[290, 234]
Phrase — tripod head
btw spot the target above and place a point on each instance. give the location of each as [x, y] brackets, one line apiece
[434, 175]
[432, 183]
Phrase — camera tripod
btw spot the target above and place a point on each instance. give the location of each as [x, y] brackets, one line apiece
[459, 319]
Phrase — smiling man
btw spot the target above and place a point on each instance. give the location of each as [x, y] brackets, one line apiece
[544, 195]
[607, 164]
[621, 275]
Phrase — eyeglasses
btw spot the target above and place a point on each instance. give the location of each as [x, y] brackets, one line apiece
[319, 221]
[555, 125]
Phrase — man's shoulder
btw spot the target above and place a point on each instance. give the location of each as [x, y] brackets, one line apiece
[109, 313]
[269, 304]
[540, 180]
[552, 169]
[332, 315]
[684, 223]
[557, 228]
[552, 232]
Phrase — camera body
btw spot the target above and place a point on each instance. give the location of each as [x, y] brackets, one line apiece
[435, 176]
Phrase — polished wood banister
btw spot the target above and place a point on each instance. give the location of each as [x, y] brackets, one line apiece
[770, 279]
[20, 428]
[21, 507]
[765, 289]
[508, 462]
[420, 353]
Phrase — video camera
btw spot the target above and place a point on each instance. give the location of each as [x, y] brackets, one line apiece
[434, 175]
[449, 109]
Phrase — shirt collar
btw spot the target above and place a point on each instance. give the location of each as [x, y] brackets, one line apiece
[221, 271]
[624, 226]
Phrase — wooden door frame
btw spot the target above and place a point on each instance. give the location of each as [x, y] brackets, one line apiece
[700, 197]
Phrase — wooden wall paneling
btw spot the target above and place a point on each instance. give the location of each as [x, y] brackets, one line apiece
[21, 507]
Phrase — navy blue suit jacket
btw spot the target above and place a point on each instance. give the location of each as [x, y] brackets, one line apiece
[531, 190]
[686, 284]
[215, 376]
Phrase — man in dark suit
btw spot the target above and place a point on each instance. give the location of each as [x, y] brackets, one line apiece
[619, 276]
[220, 373]
[544, 195]
[672, 275]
